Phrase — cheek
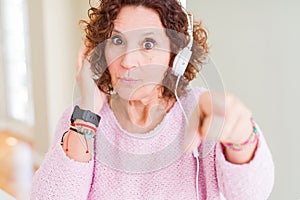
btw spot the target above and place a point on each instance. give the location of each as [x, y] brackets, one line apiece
[108, 56]
[161, 64]
[113, 70]
[113, 66]
[161, 58]
[165, 57]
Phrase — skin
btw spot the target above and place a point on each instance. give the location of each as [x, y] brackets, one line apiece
[137, 65]
[138, 55]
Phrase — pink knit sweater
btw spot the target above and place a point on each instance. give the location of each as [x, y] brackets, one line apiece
[149, 166]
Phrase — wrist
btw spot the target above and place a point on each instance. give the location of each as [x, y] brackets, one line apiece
[87, 105]
[241, 157]
[252, 138]
[243, 152]
[80, 121]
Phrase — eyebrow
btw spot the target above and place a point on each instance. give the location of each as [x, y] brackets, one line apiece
[144, 34]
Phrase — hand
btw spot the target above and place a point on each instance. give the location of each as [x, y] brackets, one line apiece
[237, 127]
[91, 97]
[226, 108]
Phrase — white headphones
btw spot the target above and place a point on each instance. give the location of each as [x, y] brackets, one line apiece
[182, 59]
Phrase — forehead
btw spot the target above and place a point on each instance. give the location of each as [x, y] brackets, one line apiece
[136, 18]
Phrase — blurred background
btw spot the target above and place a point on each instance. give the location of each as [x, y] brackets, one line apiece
[255, 45]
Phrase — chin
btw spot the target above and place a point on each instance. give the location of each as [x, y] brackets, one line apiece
[136, 94]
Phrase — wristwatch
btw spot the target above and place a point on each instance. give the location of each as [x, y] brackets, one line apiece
[85, 115]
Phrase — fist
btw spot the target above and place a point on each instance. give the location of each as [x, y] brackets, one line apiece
[227, 111]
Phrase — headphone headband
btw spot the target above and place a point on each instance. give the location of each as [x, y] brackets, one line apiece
[182, 59]
[182, 3]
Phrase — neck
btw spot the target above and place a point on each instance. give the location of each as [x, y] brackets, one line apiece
[139, 115]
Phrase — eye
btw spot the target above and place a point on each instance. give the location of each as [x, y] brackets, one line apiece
[149, 44]
[117, 40]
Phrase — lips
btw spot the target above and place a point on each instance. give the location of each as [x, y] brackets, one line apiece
[129, 81]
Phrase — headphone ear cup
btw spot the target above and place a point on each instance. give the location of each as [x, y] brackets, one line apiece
[181, 61]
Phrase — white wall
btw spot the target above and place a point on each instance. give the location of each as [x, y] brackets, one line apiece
[2, 87]
[2, 80]
[61, 44]
[255, 45]
[55, 38]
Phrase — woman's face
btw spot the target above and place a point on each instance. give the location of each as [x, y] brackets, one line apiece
[137, 53]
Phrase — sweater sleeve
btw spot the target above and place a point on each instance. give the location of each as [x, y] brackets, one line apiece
[60, 177]
[253, 180]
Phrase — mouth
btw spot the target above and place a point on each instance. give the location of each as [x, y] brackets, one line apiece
[129, 81]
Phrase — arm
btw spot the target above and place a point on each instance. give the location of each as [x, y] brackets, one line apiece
[60, 177]
[251, 180]
[67, 174]
[245, 174]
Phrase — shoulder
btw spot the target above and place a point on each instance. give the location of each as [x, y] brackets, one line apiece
[195, 91]
[191, 96]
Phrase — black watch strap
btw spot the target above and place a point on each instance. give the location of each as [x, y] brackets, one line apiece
[85, 115]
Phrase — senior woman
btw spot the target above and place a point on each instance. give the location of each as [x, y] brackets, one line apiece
[138, 130]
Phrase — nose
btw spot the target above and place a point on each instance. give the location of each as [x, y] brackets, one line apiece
[131, 59]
